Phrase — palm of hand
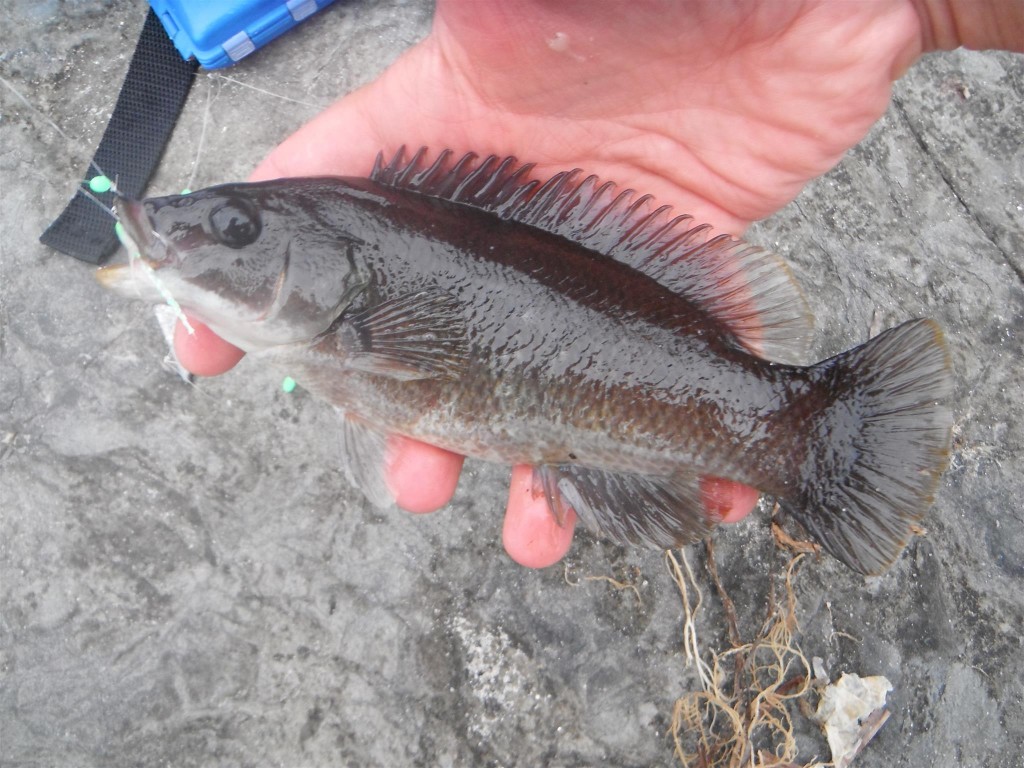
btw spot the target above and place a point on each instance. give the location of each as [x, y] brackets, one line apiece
[724, 110]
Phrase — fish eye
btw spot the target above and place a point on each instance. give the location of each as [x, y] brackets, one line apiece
[235, 223]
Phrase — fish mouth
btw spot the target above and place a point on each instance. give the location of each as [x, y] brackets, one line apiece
[135, 231]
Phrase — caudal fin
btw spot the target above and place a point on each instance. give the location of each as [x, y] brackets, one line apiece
[878, 451]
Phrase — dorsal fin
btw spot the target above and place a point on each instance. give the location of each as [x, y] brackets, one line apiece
[750, 290]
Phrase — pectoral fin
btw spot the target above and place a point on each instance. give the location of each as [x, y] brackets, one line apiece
[416, 336]
[659, 512]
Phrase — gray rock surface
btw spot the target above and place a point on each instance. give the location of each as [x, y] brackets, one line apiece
[185, 578]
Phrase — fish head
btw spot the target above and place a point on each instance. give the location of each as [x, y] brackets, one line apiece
[259, 263]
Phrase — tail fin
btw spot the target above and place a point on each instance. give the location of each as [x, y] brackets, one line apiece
[878, 451]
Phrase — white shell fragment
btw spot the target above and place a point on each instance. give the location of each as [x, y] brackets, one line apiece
[851, 711]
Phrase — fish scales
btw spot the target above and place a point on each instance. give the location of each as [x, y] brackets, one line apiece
[624, 353]
[602, 382]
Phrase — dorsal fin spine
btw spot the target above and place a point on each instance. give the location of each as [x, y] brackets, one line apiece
[492, 184]
[749, 290]
[479, 172]
[639, 235]
[596, 193]
[402, 177]
[421, 179]
[507, 189]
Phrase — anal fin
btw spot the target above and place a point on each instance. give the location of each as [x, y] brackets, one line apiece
[364, 459]
[644, 510]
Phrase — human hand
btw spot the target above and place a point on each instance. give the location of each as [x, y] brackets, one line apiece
[724, 110]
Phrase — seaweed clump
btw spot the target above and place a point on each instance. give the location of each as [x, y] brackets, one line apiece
[743, 713]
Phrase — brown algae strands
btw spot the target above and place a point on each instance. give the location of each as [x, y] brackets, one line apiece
[616, 347]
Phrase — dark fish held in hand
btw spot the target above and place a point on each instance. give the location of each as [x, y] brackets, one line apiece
[617, 348]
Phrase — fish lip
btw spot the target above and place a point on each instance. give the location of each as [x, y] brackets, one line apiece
[139, 239]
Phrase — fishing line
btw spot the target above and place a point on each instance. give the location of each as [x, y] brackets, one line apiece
[37, 111]
[49, 121]
[202, 140]
[270, 93]
[93, 199]
[149, 272]
[87, 192]
[103, 184]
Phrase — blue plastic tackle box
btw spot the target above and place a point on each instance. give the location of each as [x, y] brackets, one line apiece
[220, 32]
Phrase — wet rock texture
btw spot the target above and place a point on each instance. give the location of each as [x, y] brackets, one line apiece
[187, 580]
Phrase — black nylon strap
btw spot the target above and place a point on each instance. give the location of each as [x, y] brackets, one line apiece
[153, 94]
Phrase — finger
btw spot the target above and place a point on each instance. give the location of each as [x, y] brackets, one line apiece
[421, 477]
[533, 538]
[727, 501]
[202, 351]
[531, 535]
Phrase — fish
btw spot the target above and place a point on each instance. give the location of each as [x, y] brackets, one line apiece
[624, 351]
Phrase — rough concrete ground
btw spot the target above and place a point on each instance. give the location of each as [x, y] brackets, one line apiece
[187, 580]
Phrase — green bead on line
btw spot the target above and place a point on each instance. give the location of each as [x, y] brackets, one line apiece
[100, 184]
[288, 385]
